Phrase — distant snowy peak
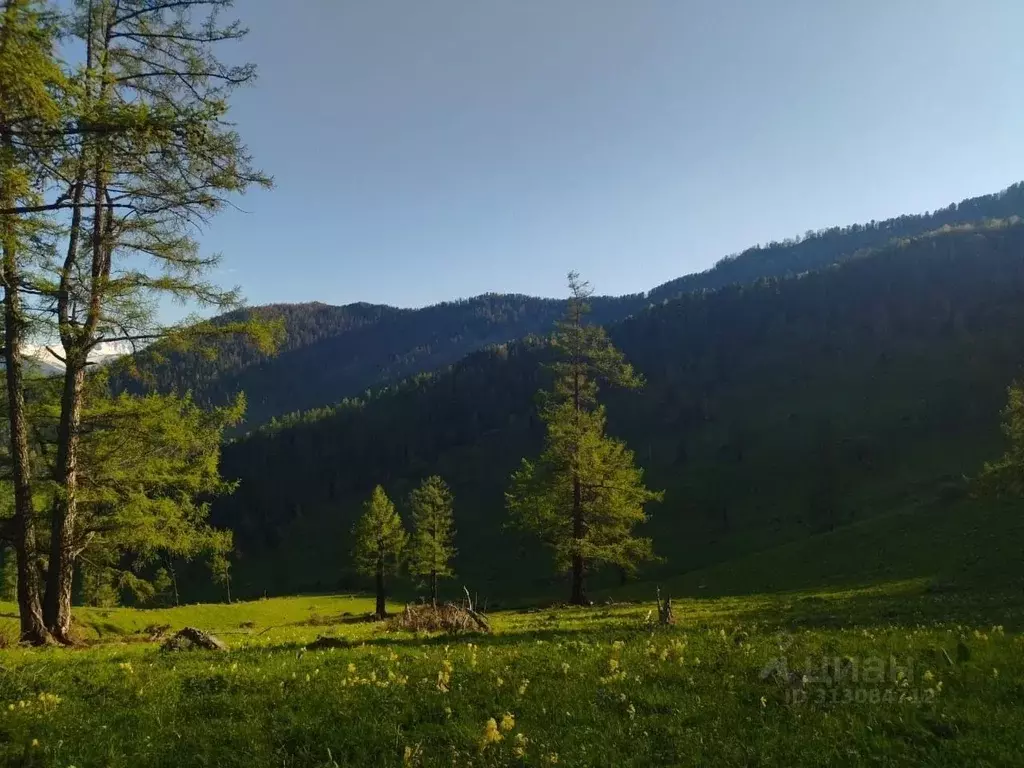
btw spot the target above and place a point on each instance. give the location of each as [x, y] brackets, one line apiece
[41, 359]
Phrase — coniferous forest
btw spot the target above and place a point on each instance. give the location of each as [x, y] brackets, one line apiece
[767, 513]
[771, 411]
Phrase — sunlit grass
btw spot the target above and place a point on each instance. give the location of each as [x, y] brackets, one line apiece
[596, 686]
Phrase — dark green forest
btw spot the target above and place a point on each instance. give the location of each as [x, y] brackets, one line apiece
[329, 353]
[772, 410]
[817, 249]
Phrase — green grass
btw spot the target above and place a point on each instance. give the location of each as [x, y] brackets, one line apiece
[924, 604]
[97, 625]
[965, 545]
[598, 686]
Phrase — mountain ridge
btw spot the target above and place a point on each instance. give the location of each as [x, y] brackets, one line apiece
[893, 364]
[334, 352]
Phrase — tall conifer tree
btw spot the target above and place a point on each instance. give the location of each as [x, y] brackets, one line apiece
[380, 542]
[433, 531]
[584, 495]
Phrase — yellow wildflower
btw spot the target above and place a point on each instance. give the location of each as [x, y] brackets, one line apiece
[521, 742]
[508, 721]
[491, 733]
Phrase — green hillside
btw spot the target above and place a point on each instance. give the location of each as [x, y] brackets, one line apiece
[772, 412]
[941, 547]
[329, 353]
[334, 352]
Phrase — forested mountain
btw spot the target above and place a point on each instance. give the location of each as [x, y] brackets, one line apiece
[771, 410]
[330, 353]
[815, 250]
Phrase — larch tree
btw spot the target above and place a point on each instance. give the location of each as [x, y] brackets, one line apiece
[380, 541]
[1004, 477]
[432, 547]
[148, 467]
[584, 495]
[29, 77]
[148, 158]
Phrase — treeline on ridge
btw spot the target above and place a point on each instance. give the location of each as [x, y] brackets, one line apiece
[770, 411]
[329, 353]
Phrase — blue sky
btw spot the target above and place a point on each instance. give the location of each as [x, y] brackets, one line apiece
[432, 150]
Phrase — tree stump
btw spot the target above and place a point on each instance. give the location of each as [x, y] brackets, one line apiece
[665, 617]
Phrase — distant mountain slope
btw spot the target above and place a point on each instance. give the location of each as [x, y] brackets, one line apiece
[815, 250]
[331, 353]
[772, 412]
[952, 545]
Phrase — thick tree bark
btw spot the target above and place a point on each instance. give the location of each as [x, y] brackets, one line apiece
[382, 611]
[60, 575]
[33, 628]
[77, 343]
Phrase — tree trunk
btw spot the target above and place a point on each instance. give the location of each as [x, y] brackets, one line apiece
[59, 578]
[33, 629]
[174, 585]
[57, 600]
[578, 596]
[382, 611]
[433, 588]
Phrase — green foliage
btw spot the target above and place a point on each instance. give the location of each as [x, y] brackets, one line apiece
[115, 151]
[1005, 475]
[98, 587]
[30, 79]
[905, 352]
[149, 467]
[585, 495]
[580, 688]
[432, 545]
[612, 494]
[379, 535]
[816, 250]
[8, 575]
[153, 464]
[219, 544]
[329, 353]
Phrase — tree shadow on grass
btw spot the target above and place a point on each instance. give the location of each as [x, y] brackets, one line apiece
[903, 606]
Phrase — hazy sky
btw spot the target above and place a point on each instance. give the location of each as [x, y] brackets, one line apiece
[434, 149]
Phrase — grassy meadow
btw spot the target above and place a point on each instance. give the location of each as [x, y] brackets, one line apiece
[898, 674]
[912, 655]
